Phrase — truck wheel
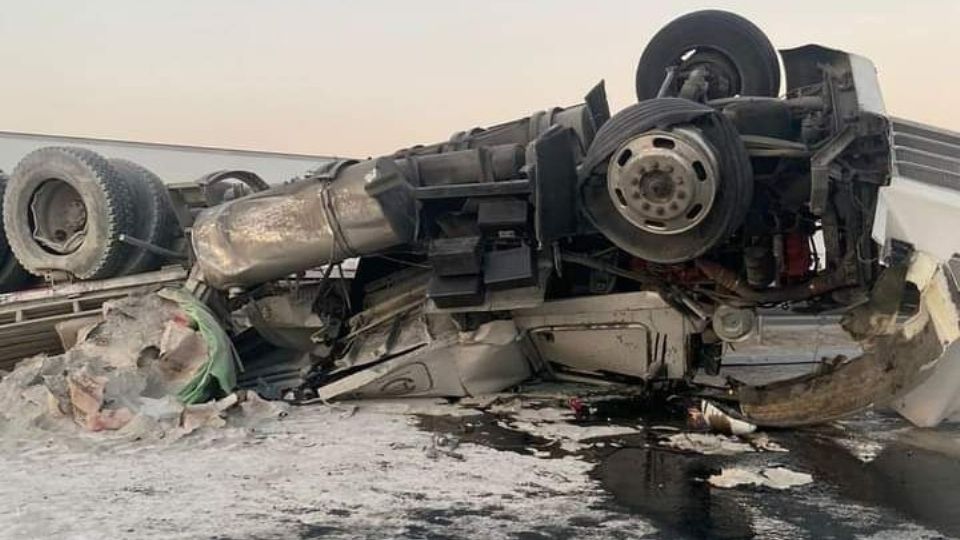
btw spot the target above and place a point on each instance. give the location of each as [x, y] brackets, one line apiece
[64, 210]
[12, 275]
[639, 174]
[156, 222]
[738, 56]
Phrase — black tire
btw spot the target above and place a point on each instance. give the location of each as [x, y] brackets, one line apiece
[740, 44]
[155, 223]
[12, 275]
[107, 203]
[733, 197]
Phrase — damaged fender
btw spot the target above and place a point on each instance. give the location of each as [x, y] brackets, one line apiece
[895, 361]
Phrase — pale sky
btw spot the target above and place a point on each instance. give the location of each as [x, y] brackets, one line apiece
[366, 77]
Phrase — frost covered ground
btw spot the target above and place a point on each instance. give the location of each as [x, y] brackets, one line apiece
[520, 469]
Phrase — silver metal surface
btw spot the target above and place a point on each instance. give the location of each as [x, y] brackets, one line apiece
[734, 324]
[926, 153]
[921, 205]
[664, 182]
[291, 228]
[451, 364]
[635, 334]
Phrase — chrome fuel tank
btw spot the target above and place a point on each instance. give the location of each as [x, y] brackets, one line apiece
[301, 225]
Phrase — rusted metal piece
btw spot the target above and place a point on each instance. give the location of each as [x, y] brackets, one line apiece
[893, 363]
[730, 280]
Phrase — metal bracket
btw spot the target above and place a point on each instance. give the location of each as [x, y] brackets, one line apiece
[820, 165]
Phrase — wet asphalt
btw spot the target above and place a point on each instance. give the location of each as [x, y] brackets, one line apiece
[874, 476]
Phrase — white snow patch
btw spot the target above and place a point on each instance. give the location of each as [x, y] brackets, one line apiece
[774, 477]
[351, 474]
[556, 424]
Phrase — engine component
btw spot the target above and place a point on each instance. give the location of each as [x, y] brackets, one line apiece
[664, 182]
[765, 117]
[759, 264]
[733, 324]
[707, 138]
[455, 291]
[510, 268]
[65, 209]
[796, 255]
[731, 53]
[456, 256]
[729, 280]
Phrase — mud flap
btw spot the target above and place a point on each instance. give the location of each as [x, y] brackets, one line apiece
[896, 362]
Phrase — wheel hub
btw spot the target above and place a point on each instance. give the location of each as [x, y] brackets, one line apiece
[664, 182]
[59, 217]
[723, 78]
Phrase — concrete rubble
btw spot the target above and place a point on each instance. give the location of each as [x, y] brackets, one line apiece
[123, 375]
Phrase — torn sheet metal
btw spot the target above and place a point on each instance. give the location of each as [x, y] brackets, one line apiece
[452, 364]
[893, 364]
[921, 206]
[937, 398]
[285, 320]
[635, 334]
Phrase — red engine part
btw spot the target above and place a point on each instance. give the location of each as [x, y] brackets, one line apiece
[796, 257]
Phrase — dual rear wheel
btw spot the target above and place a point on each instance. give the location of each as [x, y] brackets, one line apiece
[66, 210]
[669, 179]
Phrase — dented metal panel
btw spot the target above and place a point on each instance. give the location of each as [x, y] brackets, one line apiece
[896, 361]
[290, 228]
[453, 364]
[635, 334]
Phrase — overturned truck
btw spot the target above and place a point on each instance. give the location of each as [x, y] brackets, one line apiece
[579, 245]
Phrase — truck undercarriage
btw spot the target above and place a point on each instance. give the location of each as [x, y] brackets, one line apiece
[581, 245]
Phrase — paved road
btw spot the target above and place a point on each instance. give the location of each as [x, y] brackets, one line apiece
[523, 467]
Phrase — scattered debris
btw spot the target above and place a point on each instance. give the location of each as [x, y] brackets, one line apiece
[711, 417]
[708, 443]
[443, 445]
[772, 477]
[150, 366]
